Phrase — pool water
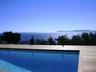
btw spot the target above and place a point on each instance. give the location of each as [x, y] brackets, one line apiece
[42, 61]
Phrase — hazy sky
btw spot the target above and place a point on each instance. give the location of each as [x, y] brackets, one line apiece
[47, 15]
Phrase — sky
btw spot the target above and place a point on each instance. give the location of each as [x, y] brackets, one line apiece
[47, 15]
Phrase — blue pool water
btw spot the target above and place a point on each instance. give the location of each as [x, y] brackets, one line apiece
[42, 61]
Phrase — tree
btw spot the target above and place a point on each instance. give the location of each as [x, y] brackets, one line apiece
[62, 40]
[41, 42]
[51, 41]
[0, 39]
[76, 39]
[92, 38]
[85, 39]
[32, 41]
[11, 37]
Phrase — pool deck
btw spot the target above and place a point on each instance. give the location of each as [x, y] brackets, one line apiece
[87, 54]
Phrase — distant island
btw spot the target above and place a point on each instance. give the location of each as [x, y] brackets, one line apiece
[77, 31]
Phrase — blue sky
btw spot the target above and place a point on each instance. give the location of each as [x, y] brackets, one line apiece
[47, 15]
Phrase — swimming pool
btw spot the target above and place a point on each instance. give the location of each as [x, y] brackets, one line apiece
[42, 60]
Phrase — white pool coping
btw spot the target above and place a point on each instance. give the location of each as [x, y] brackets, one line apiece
[87, 54]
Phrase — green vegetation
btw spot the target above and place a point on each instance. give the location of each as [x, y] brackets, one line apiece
[51, 41]
[62, 40]
[76, 40]
[10, 38]
[83, 39]
[32, 41]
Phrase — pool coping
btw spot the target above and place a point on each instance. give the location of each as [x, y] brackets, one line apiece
[84, 51]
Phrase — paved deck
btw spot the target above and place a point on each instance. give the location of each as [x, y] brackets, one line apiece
[87, 55]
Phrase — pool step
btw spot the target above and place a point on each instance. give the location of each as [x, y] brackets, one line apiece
[8, 67]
